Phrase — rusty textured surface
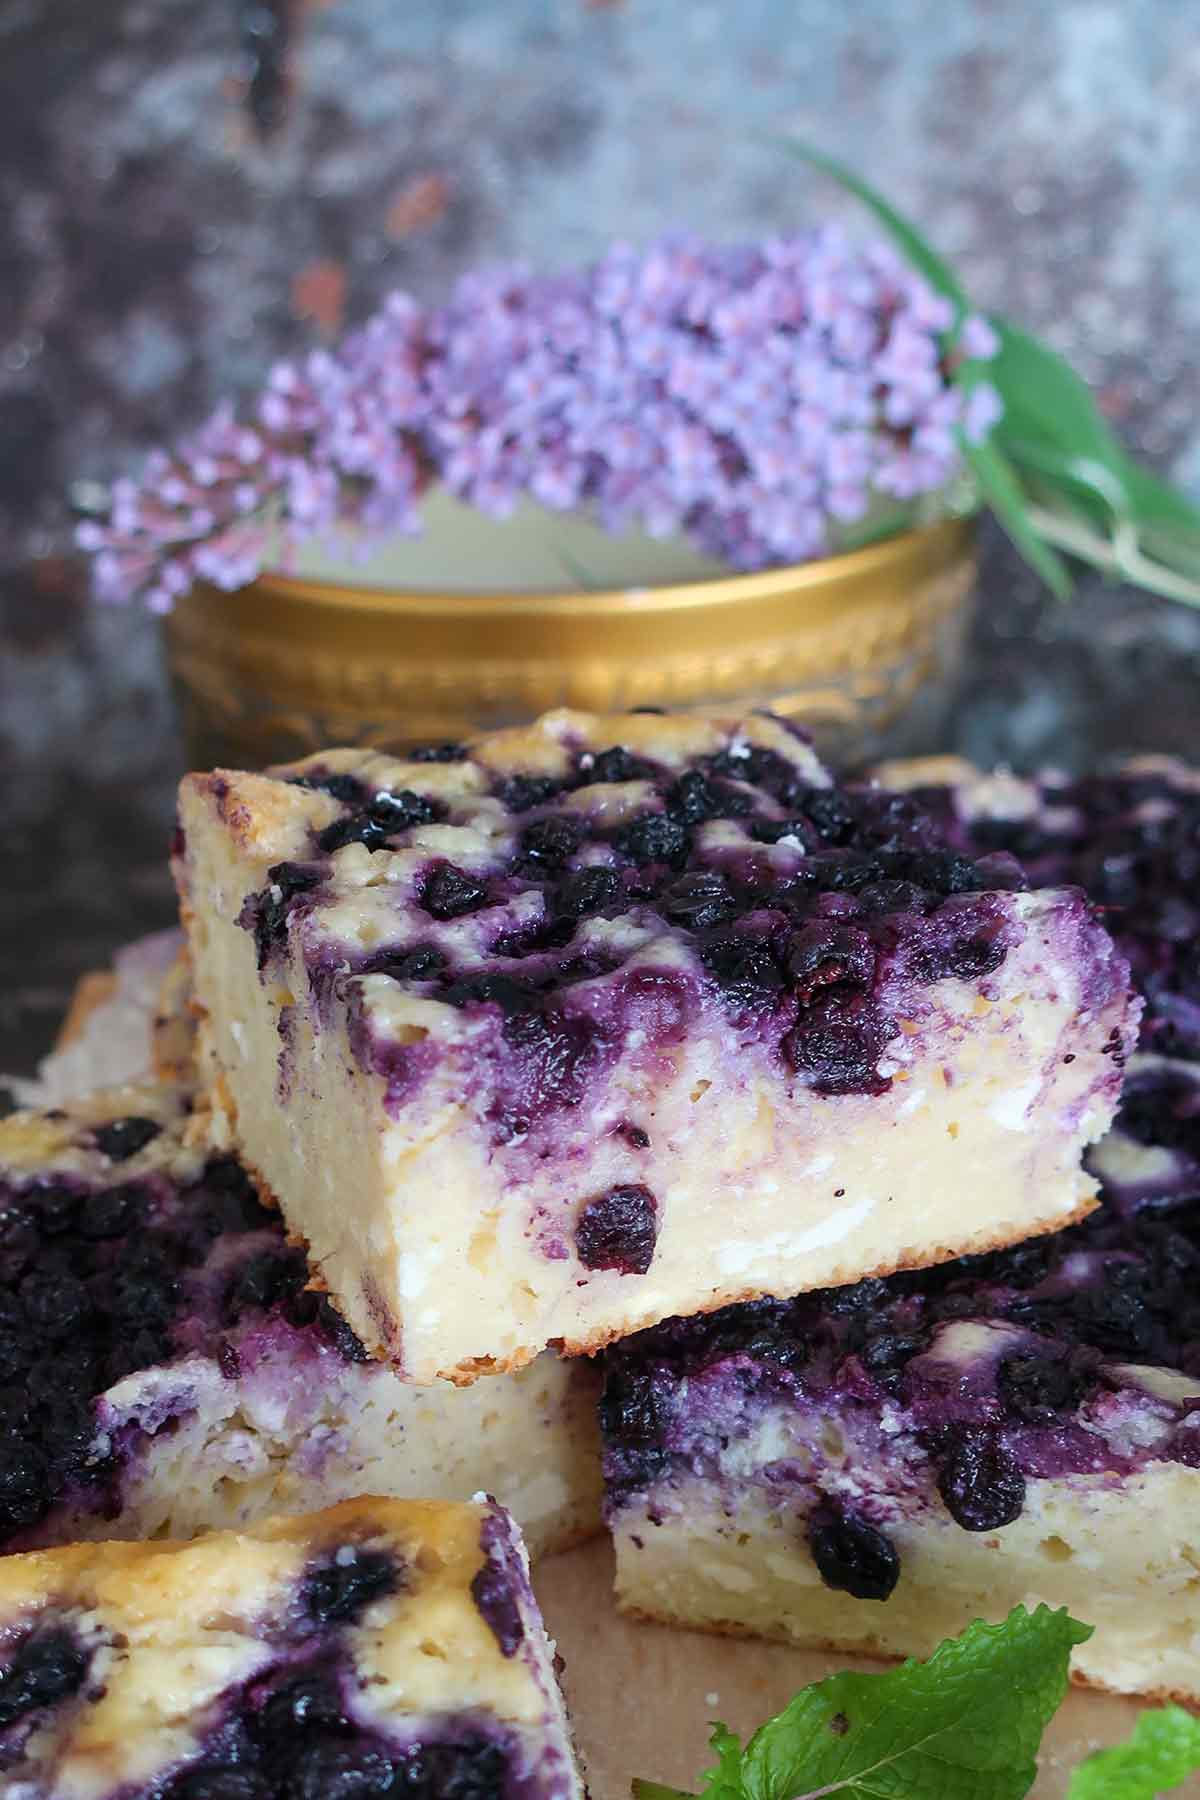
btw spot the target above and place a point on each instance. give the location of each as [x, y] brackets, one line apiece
[187, 192]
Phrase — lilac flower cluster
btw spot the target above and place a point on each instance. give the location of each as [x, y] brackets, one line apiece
[754, 399]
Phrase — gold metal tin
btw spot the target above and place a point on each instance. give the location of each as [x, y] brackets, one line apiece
[860, 646]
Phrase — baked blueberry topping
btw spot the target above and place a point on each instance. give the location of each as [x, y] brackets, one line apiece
[220, 1781]
[1039, 1388]
[112, 1212]
[699, 900]
[286, 1735]
[547, 844]
[614, 765]
[980, 1482]
[437, 753]
[420, 963]
[450, 893]
[826, 954]
[852, 1556]
[384, 817]
[266, 913]
[837, 1041]
[586, 891]
[265, 1279]
[618, 1230]
[48, 1665]
[694, 798]
[521, 793]
[97, 1282]
[745, 969]
[347, 789]
[123, 1138]
[340, 1591]
[507, 992]
[654, 838]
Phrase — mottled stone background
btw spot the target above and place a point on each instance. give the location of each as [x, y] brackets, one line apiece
[188, 191]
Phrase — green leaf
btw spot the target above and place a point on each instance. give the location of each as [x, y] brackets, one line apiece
[722, 1782]
[1002, 490]
[1162, 1752]
[1045, 401]
[965, 1725]
[920, 253]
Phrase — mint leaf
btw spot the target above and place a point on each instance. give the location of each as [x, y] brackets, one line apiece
[1050, 403]
[965, 1725]
[1162, 1752]
[723, 1781]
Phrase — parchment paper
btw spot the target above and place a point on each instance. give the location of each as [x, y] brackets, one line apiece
[641, 1696]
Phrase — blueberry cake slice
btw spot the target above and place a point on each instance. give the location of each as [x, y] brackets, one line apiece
[870, 1468]
[545, 1038]
[165, 1368]
[383, 1648]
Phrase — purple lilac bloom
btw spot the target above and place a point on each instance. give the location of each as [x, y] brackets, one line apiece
[754, 398]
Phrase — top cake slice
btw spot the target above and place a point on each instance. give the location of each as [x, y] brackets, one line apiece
[548, 1037]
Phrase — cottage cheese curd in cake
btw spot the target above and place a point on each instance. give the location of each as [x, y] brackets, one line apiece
[382, 1648]
[164, 1367]
[547, 1037]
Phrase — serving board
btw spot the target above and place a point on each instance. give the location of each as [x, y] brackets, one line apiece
[642, 1696]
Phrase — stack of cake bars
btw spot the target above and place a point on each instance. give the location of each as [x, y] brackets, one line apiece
[635, 1050]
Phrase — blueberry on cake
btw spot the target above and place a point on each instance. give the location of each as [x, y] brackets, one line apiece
[547, 1037]
[380, 1649]
[167, 1368]
[871, 1467]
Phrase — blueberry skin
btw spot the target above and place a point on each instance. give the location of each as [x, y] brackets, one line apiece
[852, 1556]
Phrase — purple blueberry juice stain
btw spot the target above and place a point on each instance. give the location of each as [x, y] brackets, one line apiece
[266, 914]
[500, 1589]
[341, 1588]
[101, 1280]
[292, 1733]
[46, 1667]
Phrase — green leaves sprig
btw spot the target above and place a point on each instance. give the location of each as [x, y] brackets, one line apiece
[1052, 469]
[965, 1725]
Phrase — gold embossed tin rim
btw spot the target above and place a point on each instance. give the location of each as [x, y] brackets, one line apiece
[819, 592]
[289, 663]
